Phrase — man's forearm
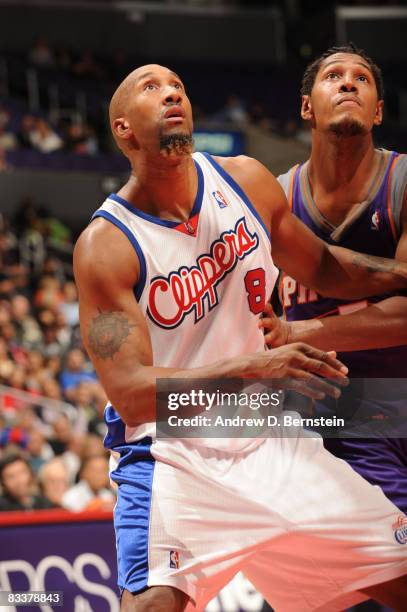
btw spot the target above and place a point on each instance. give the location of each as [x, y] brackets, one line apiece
[136, 401]
[348, 275]
[381, 325]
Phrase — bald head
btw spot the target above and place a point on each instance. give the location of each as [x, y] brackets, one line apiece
[120, 98]
[139, 109]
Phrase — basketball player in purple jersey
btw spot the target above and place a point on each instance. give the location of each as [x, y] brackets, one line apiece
[353, 195]
[158, 270]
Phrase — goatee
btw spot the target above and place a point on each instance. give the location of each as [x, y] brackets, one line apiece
[176, 144]
[347, 127]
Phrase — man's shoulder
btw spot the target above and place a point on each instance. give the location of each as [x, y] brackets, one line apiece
[102, 252]
[248, 172]
[257, 182]
[241, 163]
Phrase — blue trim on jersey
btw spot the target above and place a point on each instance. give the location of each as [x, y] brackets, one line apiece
[165, 222]
[231, 181]
[132, 513]
[138, 289]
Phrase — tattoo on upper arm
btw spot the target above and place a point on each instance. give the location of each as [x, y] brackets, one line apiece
[373, 264]
[108, 331]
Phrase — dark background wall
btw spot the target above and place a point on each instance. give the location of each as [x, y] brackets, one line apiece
[251, 35]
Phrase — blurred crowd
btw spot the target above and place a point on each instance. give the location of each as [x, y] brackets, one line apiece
[51, 403]
[36, 133]
[84, 131]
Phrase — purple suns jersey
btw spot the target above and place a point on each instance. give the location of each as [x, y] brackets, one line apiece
[372, 227]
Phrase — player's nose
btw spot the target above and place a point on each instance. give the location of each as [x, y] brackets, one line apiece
[348, 84]
[172, 96]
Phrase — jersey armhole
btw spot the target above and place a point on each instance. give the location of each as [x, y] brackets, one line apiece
[139, 287]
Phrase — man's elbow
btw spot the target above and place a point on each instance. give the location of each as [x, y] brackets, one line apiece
[135, 402]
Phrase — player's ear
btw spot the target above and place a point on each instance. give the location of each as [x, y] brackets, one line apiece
[306, 108]
[121, 128]
[378, 118]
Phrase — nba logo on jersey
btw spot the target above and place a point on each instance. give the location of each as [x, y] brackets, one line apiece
[174, 559]
[220, 199]
[375, 220]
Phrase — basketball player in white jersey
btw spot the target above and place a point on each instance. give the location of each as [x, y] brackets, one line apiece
[161, 271]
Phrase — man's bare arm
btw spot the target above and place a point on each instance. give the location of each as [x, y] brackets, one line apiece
[380, 325]
[116, 335]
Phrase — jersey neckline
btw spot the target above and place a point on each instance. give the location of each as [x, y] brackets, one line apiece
[319, 218]
[196, 208]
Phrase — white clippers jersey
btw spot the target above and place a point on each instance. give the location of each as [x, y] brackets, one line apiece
[203, 283]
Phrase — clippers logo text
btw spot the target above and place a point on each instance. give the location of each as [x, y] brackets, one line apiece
[172, 298]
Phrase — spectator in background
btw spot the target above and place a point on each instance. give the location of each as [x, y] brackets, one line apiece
[92, 141]
[53, 368]
[40, 54]
[6, 362]
[75, 372]
[93, 491]
[8, 140]
[66, 444]
[49, 295]
[20, 491]
[88, 66]
[83, 399]
[21, 280]
[39, 450]
[234, 111]
[51, 387]
[17, 380]
[81, 139]
[32, 249]
[44, 139]
[62, 435]
[70, 306]
[54, 267]
[54, 480]
[6, 286]
[92, 446]
[27, 329]
[26, 131]
[75, 139]
[51, 346]
[260, 117]
[64, 58]
[9, 248]
[35, 368]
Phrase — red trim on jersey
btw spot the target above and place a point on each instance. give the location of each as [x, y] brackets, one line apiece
[188, 227]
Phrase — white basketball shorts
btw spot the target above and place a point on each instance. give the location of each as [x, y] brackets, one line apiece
[307, 531]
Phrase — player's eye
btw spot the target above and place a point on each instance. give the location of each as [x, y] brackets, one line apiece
[332, 75]
[149, 86]
[362, 78]
[178, 86]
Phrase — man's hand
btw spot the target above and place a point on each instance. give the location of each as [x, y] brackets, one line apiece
[278, 331]
[303, 368]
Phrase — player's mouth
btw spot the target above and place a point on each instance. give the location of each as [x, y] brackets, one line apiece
[175, 114]
[348, 100]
